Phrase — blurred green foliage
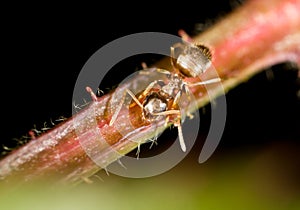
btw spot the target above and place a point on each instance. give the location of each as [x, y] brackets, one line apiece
[263, 177]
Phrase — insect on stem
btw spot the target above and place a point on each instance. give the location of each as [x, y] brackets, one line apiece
[161, 98]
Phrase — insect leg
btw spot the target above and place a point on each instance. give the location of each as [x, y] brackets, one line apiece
[145, 92]
[119, 106]
[163, 71]
[210, 81]
[180, 135]
[134, 98]
[176, 99]
[167, 112]
[117, 110]
[172, 54]
[178, 122]
[189, 95]
[167, 120]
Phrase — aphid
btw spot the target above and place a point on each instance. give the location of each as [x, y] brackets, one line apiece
[161, 97]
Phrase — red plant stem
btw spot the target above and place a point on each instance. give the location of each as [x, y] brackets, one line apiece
[258, 34]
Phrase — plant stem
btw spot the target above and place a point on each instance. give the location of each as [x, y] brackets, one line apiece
[257, 35]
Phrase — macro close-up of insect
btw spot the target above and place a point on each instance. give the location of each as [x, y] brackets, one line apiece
[161, 98]
[189, 107]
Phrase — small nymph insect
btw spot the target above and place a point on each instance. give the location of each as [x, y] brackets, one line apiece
[161, 97]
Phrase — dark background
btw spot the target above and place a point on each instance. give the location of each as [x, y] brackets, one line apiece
[45, 47]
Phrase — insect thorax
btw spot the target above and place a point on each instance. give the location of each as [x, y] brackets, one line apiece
[172, 87]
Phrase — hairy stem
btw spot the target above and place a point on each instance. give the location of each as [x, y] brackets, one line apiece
[258, 34]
